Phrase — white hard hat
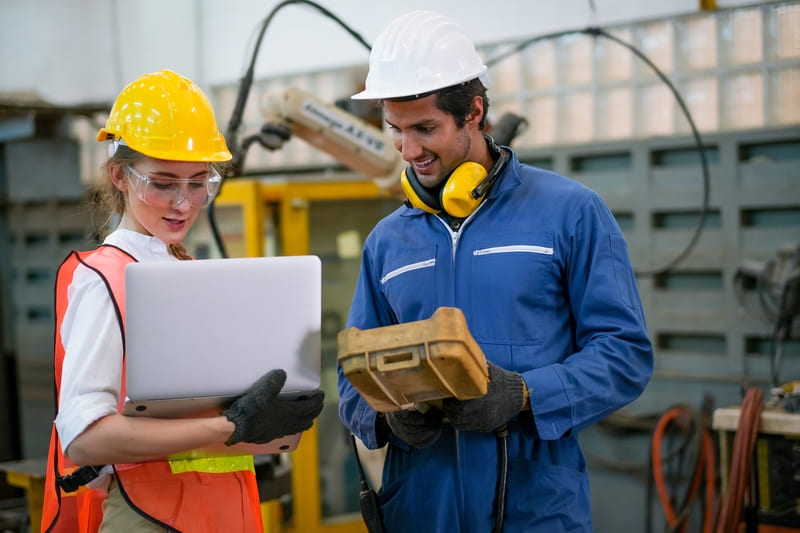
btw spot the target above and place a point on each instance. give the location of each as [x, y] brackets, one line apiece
[420, 52]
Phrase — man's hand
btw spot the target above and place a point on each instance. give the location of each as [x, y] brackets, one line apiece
[415, 428]
[504, 398]
[261, 416]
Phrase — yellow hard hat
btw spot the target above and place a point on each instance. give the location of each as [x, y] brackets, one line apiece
[166, 116]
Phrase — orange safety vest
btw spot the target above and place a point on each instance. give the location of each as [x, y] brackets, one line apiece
[208, 501]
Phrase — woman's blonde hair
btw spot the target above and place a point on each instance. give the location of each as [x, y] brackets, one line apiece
[112, 200]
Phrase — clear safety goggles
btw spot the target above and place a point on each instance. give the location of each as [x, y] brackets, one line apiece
[165, 192]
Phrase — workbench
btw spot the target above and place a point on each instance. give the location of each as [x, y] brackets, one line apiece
[774, 421]
[29, 474]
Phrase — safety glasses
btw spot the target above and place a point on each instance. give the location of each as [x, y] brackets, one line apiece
[165, 192]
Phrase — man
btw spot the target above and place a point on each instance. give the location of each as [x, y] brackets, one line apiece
[540, 269]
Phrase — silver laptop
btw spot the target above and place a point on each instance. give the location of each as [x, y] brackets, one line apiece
[199, 333]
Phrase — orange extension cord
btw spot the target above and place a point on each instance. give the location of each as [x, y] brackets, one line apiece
[705, 462]
[741, 460]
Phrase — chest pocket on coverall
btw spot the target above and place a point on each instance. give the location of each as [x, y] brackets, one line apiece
[515, 281]
[409, 283]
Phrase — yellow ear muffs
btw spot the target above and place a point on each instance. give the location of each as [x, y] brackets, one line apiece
[456, 196]
[419, 196]
[463, 190]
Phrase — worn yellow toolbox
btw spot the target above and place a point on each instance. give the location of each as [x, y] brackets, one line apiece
[395, 367]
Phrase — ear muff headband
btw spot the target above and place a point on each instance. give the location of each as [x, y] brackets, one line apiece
[497, 169]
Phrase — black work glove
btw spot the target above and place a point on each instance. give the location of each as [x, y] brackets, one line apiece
[417, 429]
[260, 416]
[504, 398]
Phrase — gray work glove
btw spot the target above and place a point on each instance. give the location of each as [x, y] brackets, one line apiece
[504, 398]
[417, 429]
[261, 416]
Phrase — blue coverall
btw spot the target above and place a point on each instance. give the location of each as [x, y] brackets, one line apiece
[542, 274]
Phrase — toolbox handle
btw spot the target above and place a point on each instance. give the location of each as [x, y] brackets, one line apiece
[399, 359]
[406, 358]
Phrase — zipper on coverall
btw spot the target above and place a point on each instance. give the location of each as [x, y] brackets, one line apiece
[454, 238]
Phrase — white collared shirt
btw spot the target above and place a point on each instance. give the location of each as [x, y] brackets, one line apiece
[92, 370]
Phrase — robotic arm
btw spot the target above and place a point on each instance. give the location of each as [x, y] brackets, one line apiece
[352, 141]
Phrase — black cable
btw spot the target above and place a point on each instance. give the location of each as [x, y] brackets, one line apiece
[245, 85]
[502, 477]
[688, 465]
[687, 454]
[247, 80]
[212, 222]
[649, 489]
[595, 31]
[368, 499]
[700, 147]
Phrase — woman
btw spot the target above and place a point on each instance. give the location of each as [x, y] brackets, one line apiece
[164, 145]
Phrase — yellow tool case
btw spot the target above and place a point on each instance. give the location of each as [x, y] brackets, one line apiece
[395, 367]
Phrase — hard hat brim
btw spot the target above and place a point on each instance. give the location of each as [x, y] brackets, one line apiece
[367, 94]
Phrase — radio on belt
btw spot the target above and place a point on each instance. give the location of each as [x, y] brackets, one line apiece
[395, 367]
